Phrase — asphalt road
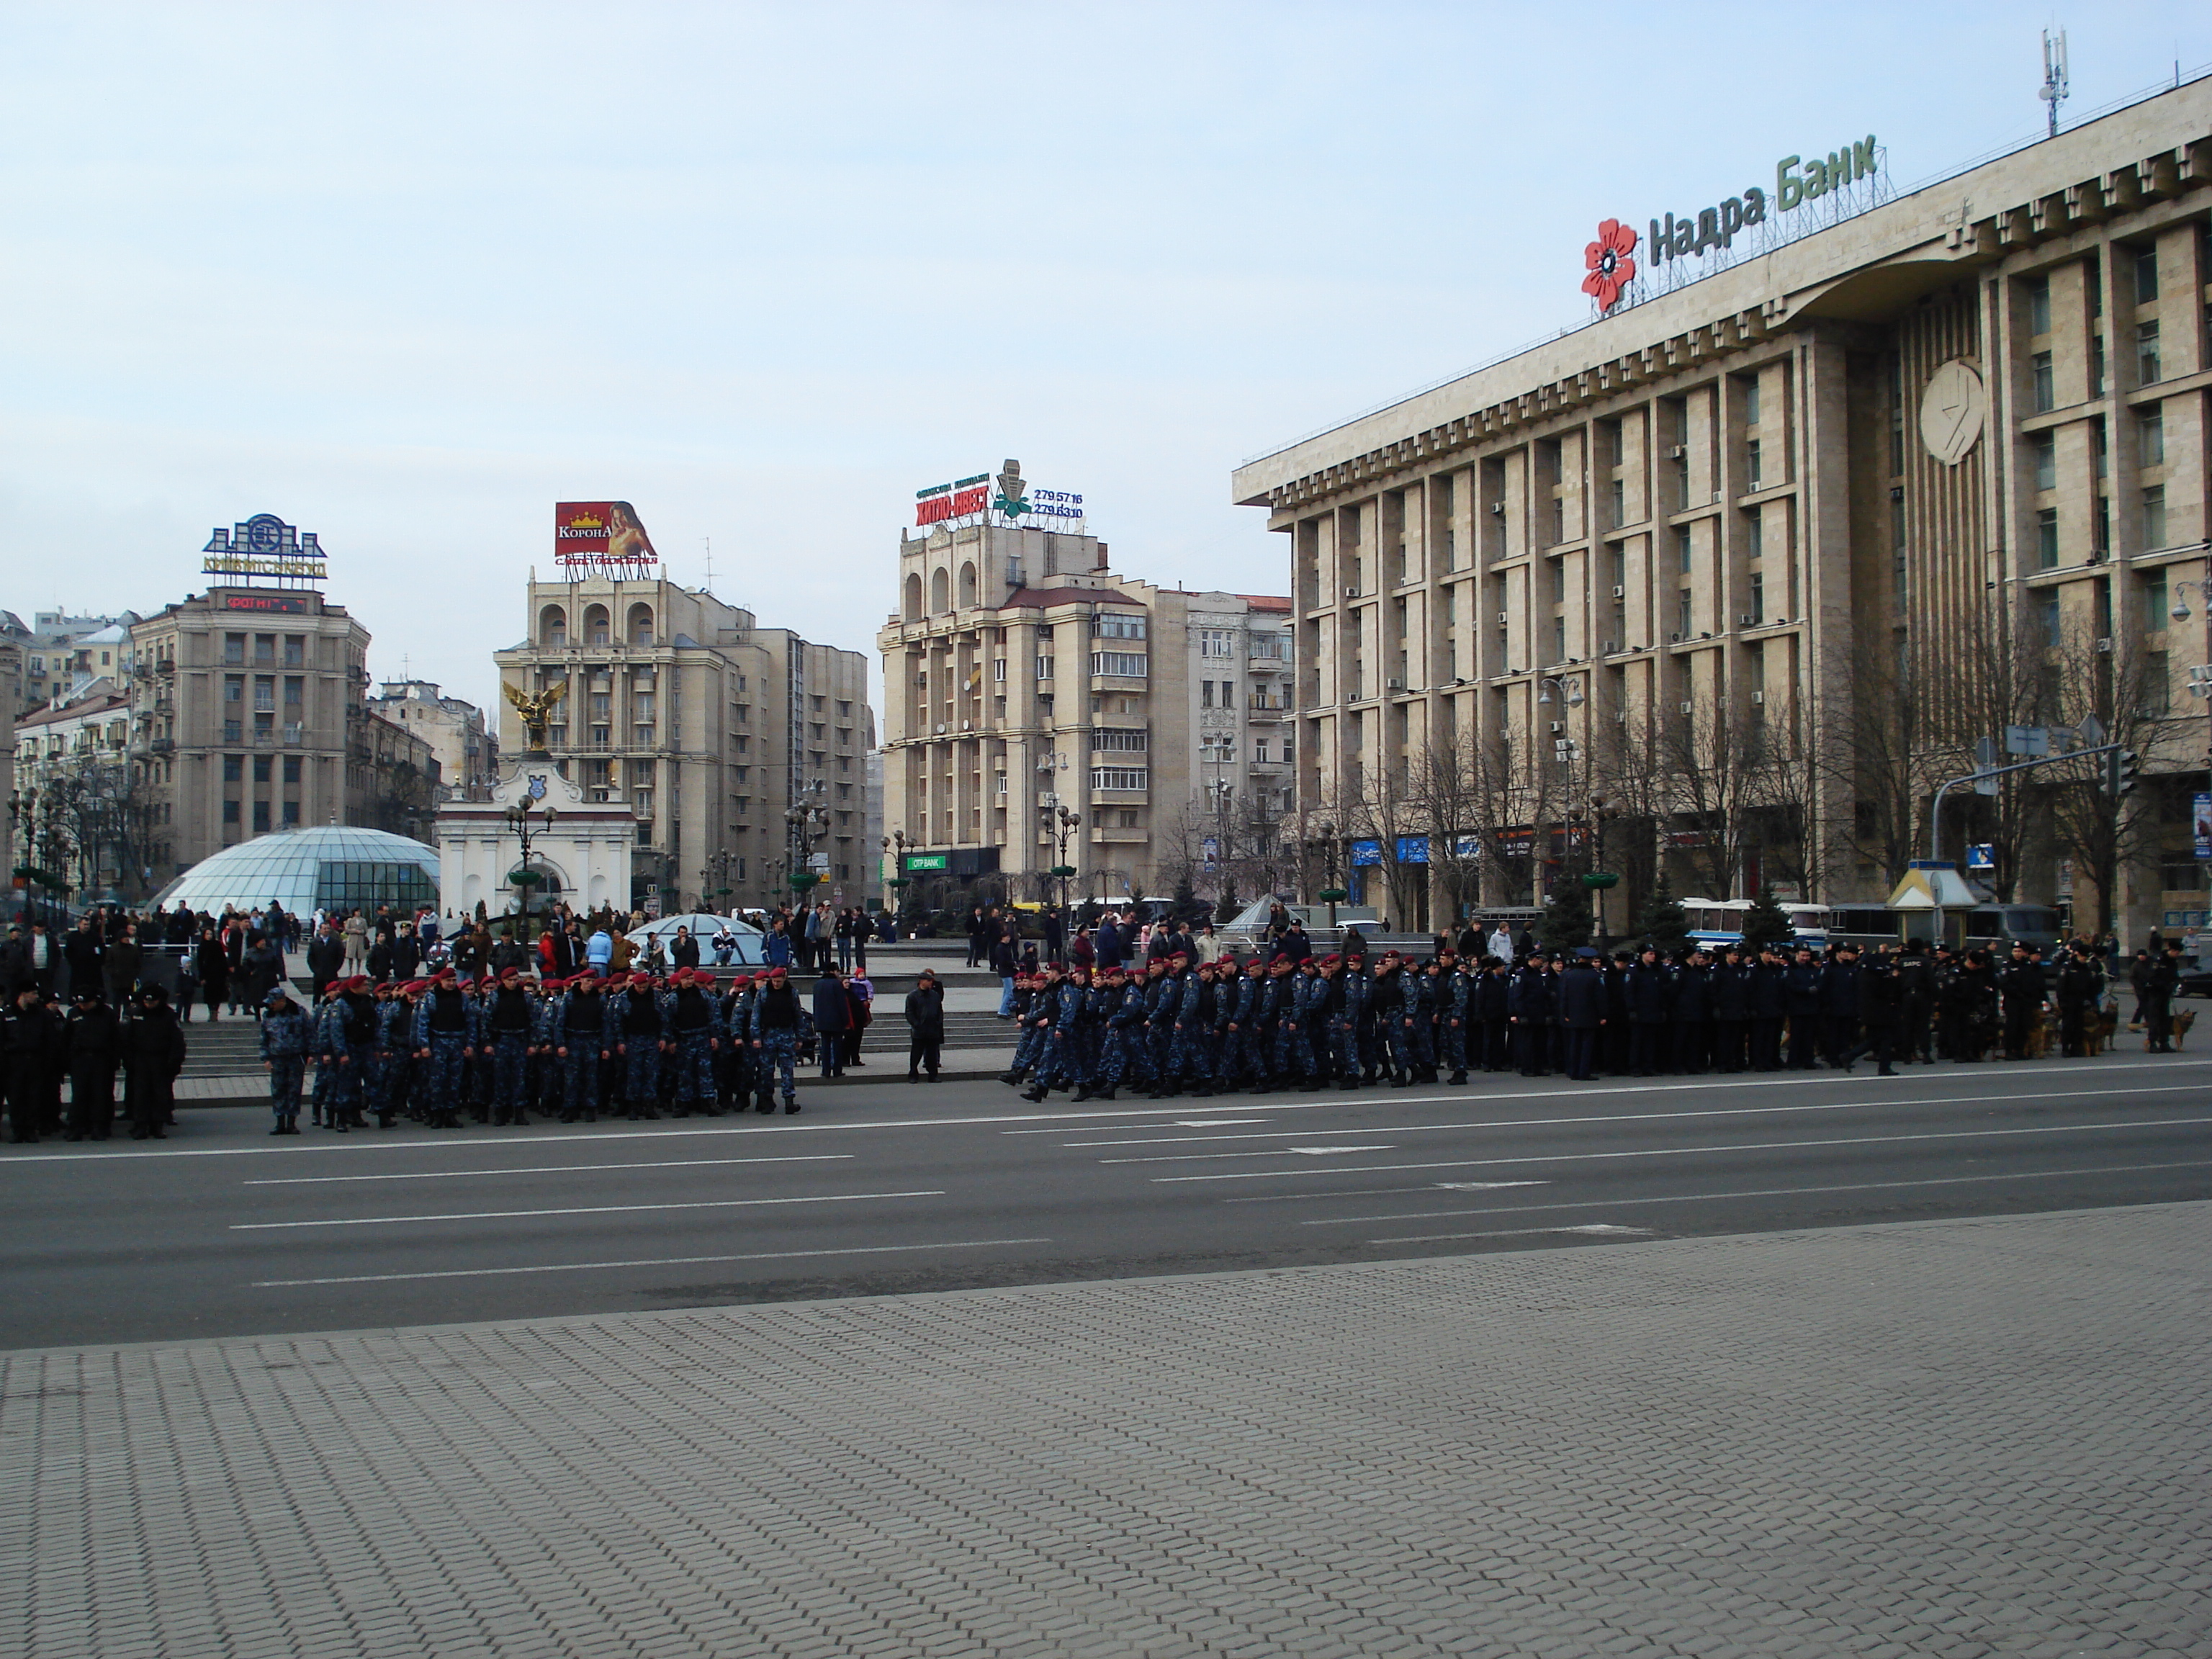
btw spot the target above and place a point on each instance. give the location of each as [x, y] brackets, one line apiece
[223, 1231]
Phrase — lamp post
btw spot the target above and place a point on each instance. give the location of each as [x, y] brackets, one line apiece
[518, 820]
[895, 845]
[802, 819]
[1067, 825]
[1598, 878]
[1332, 895]
[1567, 689]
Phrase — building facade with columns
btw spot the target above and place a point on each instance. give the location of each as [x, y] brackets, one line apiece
[1729, 580]
[1026, 685]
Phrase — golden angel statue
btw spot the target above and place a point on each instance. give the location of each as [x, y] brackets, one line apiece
[537, 710]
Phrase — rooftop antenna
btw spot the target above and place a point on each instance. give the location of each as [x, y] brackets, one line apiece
[709, 543]
[2054, 76]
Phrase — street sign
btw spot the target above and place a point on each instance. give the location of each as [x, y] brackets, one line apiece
[2201, 815]
[1983, 857]
[2091, 732]
[1986, 757]
[2027, 740]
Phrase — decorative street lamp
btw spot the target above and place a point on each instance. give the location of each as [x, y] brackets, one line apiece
[803, 819]
[522, 875]
[1067, 823]
[1332, 895]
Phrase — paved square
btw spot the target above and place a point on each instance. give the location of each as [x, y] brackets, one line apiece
[1954, 1438]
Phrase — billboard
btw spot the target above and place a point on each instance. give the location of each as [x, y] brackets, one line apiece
[593, 534]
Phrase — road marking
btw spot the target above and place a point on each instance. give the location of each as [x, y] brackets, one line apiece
[659, 1261]
[1687, 1152]
[1595, 1230]
[1310, 1151]
[1216, 1122]
[1706, 1198]
[1487, 1186]
[587, 1209]
[1606, 1117]
[544, 1169]
[1059, 1122]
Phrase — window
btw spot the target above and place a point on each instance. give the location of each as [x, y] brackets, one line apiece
[2154, 520]
[1619, 503]
[2045, 449]
[1115, 625]
[2052, 631]
[2147, 276]
[1758, 595]
[1260, 751]
[2047, 538]
[2153, 695]
[2096, 362]
[233, 648]
[998, 672]
[2153, 588]
[296, 691]
[260, 817]
[1750, 401]
[1044, 668]
[230, 812]
[1129, 820]
[1754, 535]
[2147, 369]
[1228, 694]
[234, 687]
[263, 766]
[1217, 643]
[291, 768]
[295, 651]
[2038, 305]
[2150, 438]
[1274, 645]
[1118, 739]
[1205, 694]
[1123, 663]
[1682, 614]
[234, 769]
[1682, 549]
[2041, 386]
[291, 814]
[1753, 464]
[233, 731]
[1120, 777]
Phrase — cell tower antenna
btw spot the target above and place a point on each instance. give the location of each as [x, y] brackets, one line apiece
[2054, 76]
[709, 542]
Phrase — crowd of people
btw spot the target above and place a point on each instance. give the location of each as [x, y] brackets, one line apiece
[1284, 1018]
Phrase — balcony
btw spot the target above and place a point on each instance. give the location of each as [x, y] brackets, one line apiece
[164, 746]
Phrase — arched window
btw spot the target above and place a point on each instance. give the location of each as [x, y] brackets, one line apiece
[552, 626]
[940, 592]
[967, 585]
[914, 596]
[640, 631]
[596, 625]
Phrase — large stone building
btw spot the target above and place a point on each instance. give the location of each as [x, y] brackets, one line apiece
[1737, 574]
[711, 727]
[249, 710]
[1023, 680]
[57, 654]
[467, 754]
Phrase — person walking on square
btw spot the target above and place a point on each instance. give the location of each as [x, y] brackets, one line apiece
[925, 1025]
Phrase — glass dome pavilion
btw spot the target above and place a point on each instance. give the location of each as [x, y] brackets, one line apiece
[330, 867]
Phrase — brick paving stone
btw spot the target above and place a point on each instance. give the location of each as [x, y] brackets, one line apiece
[1944, 1439]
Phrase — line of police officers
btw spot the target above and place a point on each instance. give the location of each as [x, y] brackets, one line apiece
[41, 1044]
[1217, 1027]
[499, 1049]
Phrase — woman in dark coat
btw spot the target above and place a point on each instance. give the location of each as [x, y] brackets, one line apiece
[262, 970]
[214, 963]
[833, 1018]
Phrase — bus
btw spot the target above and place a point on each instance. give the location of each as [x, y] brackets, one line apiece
[1720, 921]
[1985, 927]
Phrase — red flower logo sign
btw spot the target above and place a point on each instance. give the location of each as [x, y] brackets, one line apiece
[1611, 270]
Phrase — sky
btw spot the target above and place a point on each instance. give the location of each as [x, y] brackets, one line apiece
[406, 276]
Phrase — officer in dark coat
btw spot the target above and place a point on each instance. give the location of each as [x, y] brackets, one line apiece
[2020, 994]
[30, 1059]
[154, 1051]
[1801, 1001]
[1881, 1008]
[1694, 1014]
[1530, 1007]
[1916, 1002]
[92, 1042]
[1582, 1013]
[1769, 1008]
[1731, 1010]
[1839, 1006]
[2079, 987]
[1649, 991]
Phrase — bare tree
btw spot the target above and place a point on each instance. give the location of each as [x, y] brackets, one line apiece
[2112, 678]
[1713, 756]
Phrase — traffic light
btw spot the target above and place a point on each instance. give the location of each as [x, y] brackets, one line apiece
[2120, 767]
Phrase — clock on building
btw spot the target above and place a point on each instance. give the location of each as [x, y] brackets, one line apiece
[1951, 411]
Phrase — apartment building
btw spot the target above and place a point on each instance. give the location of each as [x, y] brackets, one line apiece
[1027, 685]
[741, 748]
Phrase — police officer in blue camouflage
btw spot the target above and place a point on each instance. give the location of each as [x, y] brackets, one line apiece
[691, 1023]
[508, 1027]
[446, 1037]
[287, 1034]
[1060, 1064]
[578, 1029]
[634, 1035]
[779, 1024]
[1247, 1034]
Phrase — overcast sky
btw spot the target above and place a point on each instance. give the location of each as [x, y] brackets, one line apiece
[405, 277]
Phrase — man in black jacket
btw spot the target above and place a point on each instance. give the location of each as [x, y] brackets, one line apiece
[1581, 1011]
[154, 1049]
[82, 951]
[1649, 995]
[94, 1043]
[925, 1025]
[30, 1056]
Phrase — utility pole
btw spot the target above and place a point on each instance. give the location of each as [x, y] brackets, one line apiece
[2055, 87]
